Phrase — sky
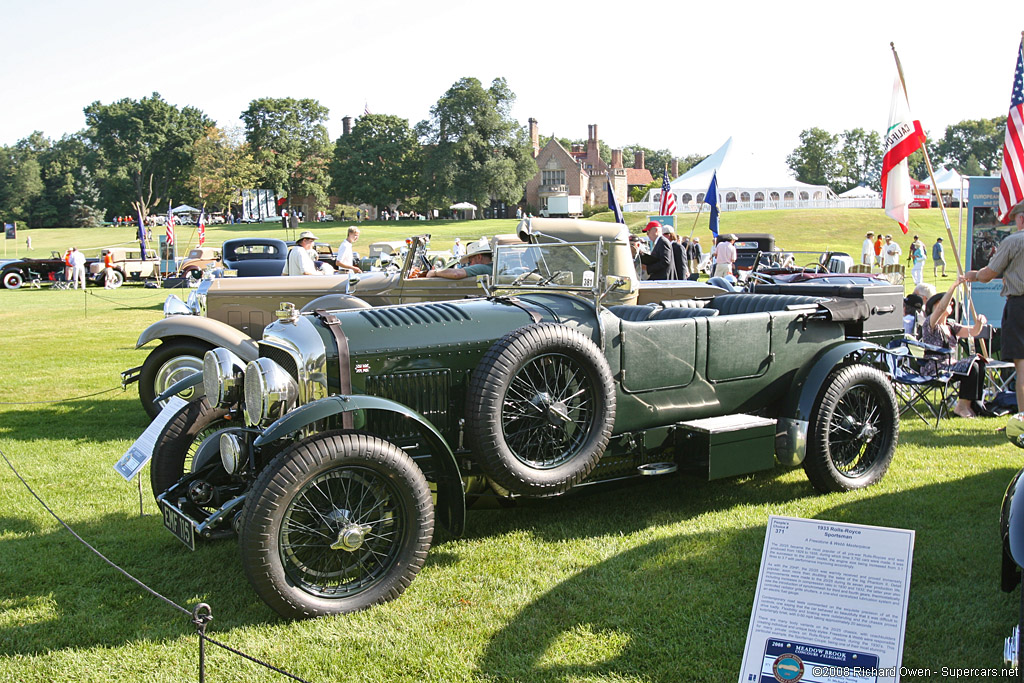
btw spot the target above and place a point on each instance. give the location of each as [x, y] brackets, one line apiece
[683, 76]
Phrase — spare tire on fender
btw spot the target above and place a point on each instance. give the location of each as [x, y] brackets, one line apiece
[540, 409]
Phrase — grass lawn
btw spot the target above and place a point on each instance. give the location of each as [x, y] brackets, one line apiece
[651, 581]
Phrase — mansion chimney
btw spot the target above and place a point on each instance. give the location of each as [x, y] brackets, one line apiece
[593, 146]
[534, 137]
[638, 159]
[346, 125]
[675, 168]
[616, 158]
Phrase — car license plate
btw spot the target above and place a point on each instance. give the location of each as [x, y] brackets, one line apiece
[179, 525]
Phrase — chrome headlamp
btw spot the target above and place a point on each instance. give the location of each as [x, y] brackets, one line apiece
[230, 452]
[175, 306]
[222, 377]
[270, 391]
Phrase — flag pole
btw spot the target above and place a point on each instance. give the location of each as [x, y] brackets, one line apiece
[938, 197]
[694, 226]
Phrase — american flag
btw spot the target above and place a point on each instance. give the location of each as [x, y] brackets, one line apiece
[202, 227]
[1011, 180]
[170, 227]
[668, 202]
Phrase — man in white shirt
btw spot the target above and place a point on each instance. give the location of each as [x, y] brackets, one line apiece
[725, 255]
[344, 258]
[301, 257]
[77, 267]
[867, 249]
[891, 251]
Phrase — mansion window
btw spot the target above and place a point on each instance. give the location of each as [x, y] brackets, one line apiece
[553, 177]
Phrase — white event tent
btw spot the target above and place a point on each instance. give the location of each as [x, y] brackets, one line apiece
[860, 192]
[948, 180]
[743, 179]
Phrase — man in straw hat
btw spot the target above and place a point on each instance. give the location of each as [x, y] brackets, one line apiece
[301, 257]
[477, 261]
[1008, 263]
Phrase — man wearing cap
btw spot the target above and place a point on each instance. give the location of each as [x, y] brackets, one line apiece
[661, 264]
[938, 258]
[301, 257]
[1008, 262]
[725, 255]
[867, 249]
[892, 252]
[477, 261]
[344, 257]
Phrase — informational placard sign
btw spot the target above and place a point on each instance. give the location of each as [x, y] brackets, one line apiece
[663, 220]
[139, 453]
[11, 231]
[984, 235]
[831, 603]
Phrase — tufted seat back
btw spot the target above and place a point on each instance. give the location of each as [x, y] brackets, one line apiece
[632, 313]
[734, 304]
[673, 313]
[684, 303]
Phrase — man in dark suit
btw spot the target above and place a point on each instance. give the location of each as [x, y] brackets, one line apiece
[678, 252]
[661, 264]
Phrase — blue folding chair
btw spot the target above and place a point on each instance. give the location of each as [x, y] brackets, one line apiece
[919, 391]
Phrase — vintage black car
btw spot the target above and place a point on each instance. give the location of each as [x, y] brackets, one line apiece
[333, 452]
[15, 273]
[255, 256]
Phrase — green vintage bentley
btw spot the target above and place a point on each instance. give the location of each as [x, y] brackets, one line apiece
[332, 453]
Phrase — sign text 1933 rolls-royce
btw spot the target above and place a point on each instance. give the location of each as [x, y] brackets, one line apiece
[324, 453]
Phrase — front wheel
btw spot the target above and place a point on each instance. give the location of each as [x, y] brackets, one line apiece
[853, 431]
[12, 279]
[336, 523]
[168, 363]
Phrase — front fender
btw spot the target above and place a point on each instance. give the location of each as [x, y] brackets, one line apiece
[211, 331]
[451, 502]
[1012, 530]
[794, 419]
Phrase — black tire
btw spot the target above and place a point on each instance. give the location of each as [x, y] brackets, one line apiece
[854, 430]
[116, 279]
[311, 500]
[13, 279]
[166, 364]
[179, 440]
[540, 409]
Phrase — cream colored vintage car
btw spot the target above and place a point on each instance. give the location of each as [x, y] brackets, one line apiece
[232, 312]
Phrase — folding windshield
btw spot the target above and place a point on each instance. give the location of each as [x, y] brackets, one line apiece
[572, 266]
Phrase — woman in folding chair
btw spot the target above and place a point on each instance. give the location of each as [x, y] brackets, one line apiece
[938, 330]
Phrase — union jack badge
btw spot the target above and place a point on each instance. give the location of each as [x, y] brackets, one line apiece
[362, 367]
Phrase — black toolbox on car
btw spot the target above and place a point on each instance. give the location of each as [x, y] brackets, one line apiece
[885, 305]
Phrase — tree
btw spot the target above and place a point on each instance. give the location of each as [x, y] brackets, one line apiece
[860, 159]
[982, 139]
[288, 140]
[85, 211]
[21, 181]
[223, 167]
[654, 161]
[815, 160]
[377, 163]
[475, 150]
[148, 144]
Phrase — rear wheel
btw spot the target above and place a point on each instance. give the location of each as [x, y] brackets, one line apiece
[854, 430]
[335, 524]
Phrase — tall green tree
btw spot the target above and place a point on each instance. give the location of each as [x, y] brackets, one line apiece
[815, 161]
[147, 144]
[21, 181]
[377, 163]
[860, 160]
[223, 167]
[981, 139]
[475, 150]
[288, 140]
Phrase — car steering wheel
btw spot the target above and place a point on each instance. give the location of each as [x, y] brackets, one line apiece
[816, 268]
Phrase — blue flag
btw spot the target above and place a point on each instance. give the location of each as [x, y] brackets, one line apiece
[711, 199]
[613, 204]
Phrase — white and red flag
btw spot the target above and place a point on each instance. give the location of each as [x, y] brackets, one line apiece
[170, 227]
[202, 227]
[903, 137]
[1011, 179]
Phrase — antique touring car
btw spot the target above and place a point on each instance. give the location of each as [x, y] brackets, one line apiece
[332, 452]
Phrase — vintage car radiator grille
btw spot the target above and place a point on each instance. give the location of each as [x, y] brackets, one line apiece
[414, 315]
[281, 357]
[425, 392]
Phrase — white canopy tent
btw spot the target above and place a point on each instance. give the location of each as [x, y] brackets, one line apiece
[948, 180]
[185, 208]
[859, 192]
[742, 178]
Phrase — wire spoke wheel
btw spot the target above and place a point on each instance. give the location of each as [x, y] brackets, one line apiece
[342, 532]
[548, 411]
[853, 429]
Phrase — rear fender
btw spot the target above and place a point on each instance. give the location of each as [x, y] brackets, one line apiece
[795, 416]
[451, 503]
[213, 332]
